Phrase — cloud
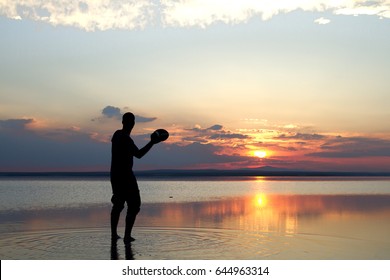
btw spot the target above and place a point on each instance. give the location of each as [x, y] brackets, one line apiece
[354, 147]
[89, 15]
[322, 21]
[203, 13]
[73, 149]
[25, 149]
[188, 156]
[301, 136]
[228, 136]
[205, 135]
[371, 8]
[216, 127]
[24, 146]
[14, 124]
[92, 15]
[112, 112]
[144, 119]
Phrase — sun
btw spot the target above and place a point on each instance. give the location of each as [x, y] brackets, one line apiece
[260, 153]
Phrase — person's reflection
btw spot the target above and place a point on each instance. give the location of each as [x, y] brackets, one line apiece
[129, 252]
[115, 255]
[114, 251]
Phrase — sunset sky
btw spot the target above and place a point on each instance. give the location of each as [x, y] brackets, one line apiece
[297, 84]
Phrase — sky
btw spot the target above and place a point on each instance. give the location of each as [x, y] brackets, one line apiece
[297, 84]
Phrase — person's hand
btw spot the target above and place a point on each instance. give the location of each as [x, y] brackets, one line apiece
[154, 138]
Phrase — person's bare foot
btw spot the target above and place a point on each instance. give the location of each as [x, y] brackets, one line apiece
[115, 237]
[127, 241]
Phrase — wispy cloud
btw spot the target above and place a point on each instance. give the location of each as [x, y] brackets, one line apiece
[144, 119]
[211, 134]
[301, 136]
[354, 147]
[94, 15]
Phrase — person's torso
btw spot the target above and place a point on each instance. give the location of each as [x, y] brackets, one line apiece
[122, 152]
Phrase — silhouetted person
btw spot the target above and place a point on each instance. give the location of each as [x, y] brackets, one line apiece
[123, 182]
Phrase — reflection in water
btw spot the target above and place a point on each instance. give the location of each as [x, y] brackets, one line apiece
[258, 226]
[129, 255]
[286, 214]
[114, 251]
[261, 212]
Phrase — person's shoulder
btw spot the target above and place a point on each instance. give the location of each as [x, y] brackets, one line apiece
[117, 135]
[118, 132]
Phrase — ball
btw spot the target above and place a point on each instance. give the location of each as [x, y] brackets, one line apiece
[161, 134]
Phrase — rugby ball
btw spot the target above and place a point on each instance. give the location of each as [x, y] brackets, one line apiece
[161, 134]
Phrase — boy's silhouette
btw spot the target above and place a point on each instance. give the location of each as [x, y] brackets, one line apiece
[123, 182]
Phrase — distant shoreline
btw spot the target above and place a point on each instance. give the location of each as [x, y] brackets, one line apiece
[168, 173]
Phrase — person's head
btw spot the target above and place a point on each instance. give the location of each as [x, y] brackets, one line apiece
[128, 120]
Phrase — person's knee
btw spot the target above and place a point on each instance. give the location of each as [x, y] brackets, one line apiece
[117, 208]
[118, 204]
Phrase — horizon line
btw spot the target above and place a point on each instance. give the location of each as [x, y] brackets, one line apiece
[202, 172]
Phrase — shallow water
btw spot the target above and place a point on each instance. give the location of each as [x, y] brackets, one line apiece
[186, 243]
[223, 220]
[35, 193]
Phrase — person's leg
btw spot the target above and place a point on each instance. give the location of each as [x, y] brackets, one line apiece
[117, 207]
[133, 207]
[130, 219]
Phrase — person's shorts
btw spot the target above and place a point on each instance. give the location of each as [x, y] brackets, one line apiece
[126, 191]
[133, 200]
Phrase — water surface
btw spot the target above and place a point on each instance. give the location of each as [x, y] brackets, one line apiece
[200, 219]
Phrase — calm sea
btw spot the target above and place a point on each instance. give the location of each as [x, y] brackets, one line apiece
[28, 193]
[199, 218]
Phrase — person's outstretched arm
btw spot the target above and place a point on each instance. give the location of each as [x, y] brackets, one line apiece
[139, 153]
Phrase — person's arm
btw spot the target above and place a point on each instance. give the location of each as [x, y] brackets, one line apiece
[139, 153]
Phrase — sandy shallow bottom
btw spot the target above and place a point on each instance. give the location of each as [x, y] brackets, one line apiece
[185, 243]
